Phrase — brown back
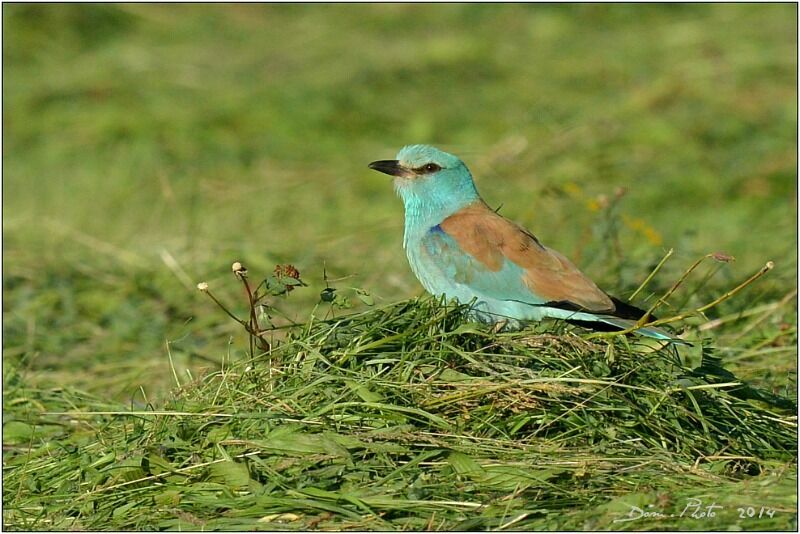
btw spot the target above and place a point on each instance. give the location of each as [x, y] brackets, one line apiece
[491, 239]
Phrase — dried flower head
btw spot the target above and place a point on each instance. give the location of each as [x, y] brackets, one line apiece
[288, 270]
[202, 286]
[724, 258]
[239, 270]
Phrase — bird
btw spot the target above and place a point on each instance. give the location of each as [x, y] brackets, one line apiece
[459, 247]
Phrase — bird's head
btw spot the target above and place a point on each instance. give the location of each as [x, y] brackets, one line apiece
[427, 178]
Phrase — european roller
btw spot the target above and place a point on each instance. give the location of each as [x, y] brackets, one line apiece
[459, 247]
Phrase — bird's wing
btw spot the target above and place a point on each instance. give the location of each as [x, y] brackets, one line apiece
[499, 259]
[455, 266]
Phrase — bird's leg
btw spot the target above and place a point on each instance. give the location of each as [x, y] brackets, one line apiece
[499, 326]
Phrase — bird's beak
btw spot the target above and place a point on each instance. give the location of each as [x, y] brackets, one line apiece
[391, 167]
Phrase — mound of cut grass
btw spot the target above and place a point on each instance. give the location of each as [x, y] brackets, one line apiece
[406, 417]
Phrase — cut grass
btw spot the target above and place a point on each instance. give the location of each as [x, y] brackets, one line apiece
[147, 145]
[128, 142]
[406, 417]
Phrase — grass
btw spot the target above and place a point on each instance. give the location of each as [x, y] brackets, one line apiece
[146, 147]
[407, 417]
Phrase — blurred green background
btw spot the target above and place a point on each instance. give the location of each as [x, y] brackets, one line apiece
[147, 147]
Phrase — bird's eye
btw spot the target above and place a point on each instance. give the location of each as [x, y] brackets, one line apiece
[431, 167]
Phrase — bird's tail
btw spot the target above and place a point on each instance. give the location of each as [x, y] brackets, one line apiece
[649, 331]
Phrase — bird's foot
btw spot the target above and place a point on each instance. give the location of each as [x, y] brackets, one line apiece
[499, 326]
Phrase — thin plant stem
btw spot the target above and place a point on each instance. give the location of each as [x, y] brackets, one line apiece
[223, 308]
[761, 272]
[651, 275]
[676, 285]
